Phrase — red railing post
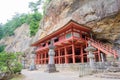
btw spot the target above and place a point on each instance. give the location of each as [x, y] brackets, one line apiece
[115, 54]
[103, 47]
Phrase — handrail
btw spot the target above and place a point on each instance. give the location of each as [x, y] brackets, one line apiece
[103, 47]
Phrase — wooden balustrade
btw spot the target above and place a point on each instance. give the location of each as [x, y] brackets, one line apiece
[64, 58]
[107, 48]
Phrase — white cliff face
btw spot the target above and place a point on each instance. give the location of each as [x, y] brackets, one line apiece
[87, 12]
[20, 41]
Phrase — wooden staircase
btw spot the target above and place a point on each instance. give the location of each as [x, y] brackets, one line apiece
[102, 47]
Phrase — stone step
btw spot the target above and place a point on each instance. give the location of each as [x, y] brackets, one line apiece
[109, 75]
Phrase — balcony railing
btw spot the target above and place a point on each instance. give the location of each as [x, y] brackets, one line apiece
[63, 38]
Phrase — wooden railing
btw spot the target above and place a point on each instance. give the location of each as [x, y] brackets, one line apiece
[107, 49]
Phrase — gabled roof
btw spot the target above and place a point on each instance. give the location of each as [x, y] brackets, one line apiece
[67, 26]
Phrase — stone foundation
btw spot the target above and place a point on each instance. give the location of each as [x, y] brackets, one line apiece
[61, 67]
[51, 68]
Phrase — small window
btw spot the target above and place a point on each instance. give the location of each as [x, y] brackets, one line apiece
[49, 42]
[43, 44]
[83, 35]
[56, 39]
[68, 35]
[76, 34]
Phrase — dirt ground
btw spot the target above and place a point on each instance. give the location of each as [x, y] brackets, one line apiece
[62, 75]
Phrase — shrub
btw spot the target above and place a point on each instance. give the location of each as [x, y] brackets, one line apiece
[17, 67]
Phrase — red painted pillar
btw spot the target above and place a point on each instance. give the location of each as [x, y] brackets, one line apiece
[61, 56]
[45, 57]
[58, 56]
[73, 53]
[99, 58]
[38, 58]
[41, 58]
[115, 53]
[82, 57]
[66, 61]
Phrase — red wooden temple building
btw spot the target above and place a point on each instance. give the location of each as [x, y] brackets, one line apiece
[70, 42]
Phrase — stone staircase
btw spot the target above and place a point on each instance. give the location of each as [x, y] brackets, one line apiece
[109, 75]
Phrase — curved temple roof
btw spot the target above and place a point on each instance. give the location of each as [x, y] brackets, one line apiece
[67, 26]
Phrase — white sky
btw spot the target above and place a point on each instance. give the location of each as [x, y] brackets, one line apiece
[9, 7]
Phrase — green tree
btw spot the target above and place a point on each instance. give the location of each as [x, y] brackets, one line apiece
[34, 20]
[8, 62]
[2, 47]
[1, 31]
[34, 5]
[11, 25]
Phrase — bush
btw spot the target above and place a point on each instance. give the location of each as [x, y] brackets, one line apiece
[9, 62]
[17, 67]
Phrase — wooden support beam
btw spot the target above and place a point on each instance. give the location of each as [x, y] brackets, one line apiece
[73, 53]
[82, 57]
[58, 56]
[66, 61]
[41, 58]
[115, 54]
[38, 58]
[99, 58]
[45, 57]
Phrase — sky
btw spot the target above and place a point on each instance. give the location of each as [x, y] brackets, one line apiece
[8, 8]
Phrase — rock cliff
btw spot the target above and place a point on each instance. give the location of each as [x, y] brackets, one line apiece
[102, 16]
[20, 41]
